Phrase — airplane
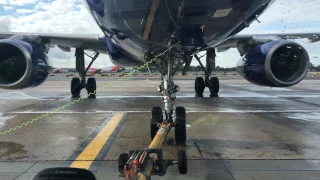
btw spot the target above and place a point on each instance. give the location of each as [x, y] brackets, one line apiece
[166, 34]
[61, 70]
[93, 71]
[112, 69]
[90, 71]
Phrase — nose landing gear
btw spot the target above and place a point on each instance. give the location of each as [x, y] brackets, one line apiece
[144, 163]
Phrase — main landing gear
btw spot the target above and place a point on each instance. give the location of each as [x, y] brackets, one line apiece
[211, 82]
[77, 84]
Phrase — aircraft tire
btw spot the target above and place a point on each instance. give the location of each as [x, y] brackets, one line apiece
[122, 160]
[214, 85]
[75, 87]
[182, 162]
[199, 86]
[156, 117]
[91, 87]
[180, 127]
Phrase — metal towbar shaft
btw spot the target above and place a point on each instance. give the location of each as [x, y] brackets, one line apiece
[142, 164]
[156, 143]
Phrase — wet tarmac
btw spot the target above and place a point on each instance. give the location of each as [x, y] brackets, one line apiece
[248, 132]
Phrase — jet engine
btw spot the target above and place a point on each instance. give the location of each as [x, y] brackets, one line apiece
[280, 63]
[118, 55]
[22, 64]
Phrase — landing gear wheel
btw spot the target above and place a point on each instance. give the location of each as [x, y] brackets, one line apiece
[182, 162]
[199, 86]
[91, 87]
[75, 87]
[122, 160]
[180, 128]
[156, 117]
[214, 86]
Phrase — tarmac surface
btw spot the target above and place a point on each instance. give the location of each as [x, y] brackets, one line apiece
[248, 132]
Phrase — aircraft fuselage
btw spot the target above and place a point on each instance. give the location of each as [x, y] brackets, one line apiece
[134, 27]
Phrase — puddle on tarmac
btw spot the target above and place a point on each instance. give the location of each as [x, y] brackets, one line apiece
[11, 151]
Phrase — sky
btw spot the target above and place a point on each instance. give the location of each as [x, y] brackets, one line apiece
[71, 17]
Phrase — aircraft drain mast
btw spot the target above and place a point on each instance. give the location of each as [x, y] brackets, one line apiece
[142, 164]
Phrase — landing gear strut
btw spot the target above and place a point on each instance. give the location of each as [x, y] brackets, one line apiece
[211, 82]
[78, 84]
[144, 163]
[168, 90]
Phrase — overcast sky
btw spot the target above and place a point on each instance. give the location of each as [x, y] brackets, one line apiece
[71, 17]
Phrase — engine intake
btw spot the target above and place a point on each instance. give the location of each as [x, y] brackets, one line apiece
[22, 64]
[277, 64]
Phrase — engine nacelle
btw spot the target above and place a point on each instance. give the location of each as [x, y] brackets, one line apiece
[117, 55]
[22, 64]
[280, 63]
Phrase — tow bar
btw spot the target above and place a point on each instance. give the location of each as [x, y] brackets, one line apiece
[142, 164]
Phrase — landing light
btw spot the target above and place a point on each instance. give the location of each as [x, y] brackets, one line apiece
[176, 88]
[179, 62]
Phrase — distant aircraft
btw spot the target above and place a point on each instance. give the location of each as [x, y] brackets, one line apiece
[91, 71]
[167, 34]
[112, 69]
[60, 70]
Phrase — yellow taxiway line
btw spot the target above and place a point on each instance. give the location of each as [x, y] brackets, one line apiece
[88, 155]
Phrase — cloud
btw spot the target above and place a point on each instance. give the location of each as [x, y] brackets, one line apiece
[5, 24]
[18, 2]
[61, 59]
[7, 8]
[67, 60]
[58, 16]
[71, 17]
[24, 11]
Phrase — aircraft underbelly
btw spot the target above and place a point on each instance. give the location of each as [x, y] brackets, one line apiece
[141, 25]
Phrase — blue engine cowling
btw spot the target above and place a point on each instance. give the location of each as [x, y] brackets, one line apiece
[279, 63]
[118, 55]
[22, 64]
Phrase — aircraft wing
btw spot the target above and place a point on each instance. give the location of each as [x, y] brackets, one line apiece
[261, 38]
[91, 41]
[66, 41]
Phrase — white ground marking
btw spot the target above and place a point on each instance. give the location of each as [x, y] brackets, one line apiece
[314, 117]
[218, 111]
[4, 118]
[250, 87]
[23, 96]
